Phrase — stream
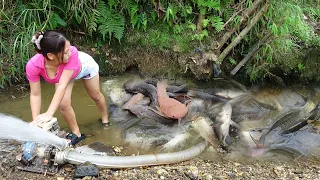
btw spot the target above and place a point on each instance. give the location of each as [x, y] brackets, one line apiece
[144, 137]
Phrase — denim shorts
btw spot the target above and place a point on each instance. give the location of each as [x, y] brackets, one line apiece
[89, 67]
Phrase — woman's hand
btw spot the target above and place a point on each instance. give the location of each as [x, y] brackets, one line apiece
[42, 118]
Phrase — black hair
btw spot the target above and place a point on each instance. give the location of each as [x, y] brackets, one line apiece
[51, 42]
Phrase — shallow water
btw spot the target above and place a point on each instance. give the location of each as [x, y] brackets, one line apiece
[144, 138]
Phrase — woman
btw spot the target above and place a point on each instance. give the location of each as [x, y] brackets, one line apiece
[59, 63]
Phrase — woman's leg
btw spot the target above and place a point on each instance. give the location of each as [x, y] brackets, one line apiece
[68, 112]
[93, 88]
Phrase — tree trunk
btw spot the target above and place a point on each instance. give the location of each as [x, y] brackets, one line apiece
[251, 53]
[245, 16]
[245, 31]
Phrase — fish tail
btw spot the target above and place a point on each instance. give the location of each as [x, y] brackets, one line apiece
[243, 97]
[257, 142]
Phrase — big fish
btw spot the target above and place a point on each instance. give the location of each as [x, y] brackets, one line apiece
[171, 88]
[143, 88]
[289, 120]
[147, 112]
[134, 100]
[178, 142]
[205, 96]
[170, 107]
[222, 123]
[204, 126]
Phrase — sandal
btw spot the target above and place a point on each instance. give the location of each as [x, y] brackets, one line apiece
[74, 138]
[106, 124]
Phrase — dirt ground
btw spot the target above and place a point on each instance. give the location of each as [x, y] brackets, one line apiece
[193, 169]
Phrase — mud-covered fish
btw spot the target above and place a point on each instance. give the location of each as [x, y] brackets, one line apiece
[170, 107]
[144, 88]
[289, 120]
[147, 112]
[226, 93]
[134, 100]
[203, 125]
[205, 96]
[178, 142]
[223, 122]
[119, 96]
[171, 88]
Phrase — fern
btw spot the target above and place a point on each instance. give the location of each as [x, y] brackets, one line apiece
[110, 22]
[228, 12]
[216, 22]
[210, 4]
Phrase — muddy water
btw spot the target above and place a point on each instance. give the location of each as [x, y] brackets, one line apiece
[16, 102]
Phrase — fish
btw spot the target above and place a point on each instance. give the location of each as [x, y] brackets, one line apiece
[226, 93]
[143, 88]
[223, 122]
[205, 96]
[147, 112]
[288, 120]
[178, 141]
[119, 96]
[134, 100]
[203, 125]
[170, 107]
[262, 151]
[183, 88]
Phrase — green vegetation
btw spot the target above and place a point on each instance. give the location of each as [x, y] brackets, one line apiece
[166, 25]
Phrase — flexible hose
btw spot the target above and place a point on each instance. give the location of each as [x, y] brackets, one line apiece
[14, 128]
[70, 156]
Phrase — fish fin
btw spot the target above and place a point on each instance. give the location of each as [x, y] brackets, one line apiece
[217, 130]
[158, 108]
[256, 142]
[309, 121]
[296, 127]
[157, 111]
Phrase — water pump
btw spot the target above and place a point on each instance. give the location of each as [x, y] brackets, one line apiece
[39, 158]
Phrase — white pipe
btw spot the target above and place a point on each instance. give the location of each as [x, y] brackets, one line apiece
[13, 128]
[73, 157]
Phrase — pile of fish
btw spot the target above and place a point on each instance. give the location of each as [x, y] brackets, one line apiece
[259, 121]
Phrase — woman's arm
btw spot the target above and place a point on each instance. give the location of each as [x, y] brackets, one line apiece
[35, 99]
[57, 97]
[60, 91]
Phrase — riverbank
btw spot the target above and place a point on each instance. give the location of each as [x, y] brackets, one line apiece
[193, 169]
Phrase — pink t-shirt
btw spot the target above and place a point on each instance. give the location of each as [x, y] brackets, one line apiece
[36, 67]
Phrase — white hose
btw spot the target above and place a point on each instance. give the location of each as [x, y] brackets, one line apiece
[73, 157]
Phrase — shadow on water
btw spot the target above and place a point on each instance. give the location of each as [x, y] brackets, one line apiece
[145, 137]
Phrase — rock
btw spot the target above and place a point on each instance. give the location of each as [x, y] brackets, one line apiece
[87, 178]
[192, 172]
[207, 177]
[60, 178]
[83, 170]
[162, 171]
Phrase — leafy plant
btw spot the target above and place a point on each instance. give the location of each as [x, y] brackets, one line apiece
[110, 22]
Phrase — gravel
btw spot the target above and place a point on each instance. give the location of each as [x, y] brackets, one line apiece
[193, 169]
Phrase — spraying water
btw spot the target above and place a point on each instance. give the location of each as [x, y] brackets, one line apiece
[16, 129]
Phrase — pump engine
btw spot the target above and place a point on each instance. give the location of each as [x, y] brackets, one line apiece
[39, 158]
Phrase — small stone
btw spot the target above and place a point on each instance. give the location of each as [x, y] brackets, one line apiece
[117, 149]
[161, 171]
[87, 178]
[161, 177]
[68, 168]
[208, 177]
[192, 172]
[60, 178]
[86, 170]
